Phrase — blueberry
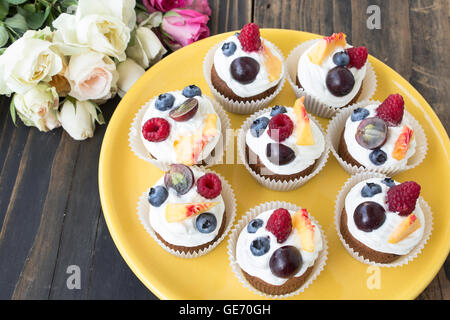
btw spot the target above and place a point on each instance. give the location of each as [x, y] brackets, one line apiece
[228, 48]
[258, 126]
[378, 157]
[164, 102]
[341, 59]
[260, 246]
[157, 196]
[389, 182]
[277, 110]
[206, 222]
[254, 225]
[359, 114]
[370, 189]
[192, 91]
[237, 34]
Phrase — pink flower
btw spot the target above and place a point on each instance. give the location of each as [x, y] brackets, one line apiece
[163, 5]
[201, 6]
[184, 26]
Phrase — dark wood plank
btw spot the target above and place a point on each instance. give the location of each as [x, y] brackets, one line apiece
[228, 15]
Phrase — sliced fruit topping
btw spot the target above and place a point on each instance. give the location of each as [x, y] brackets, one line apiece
[177, 212]
[206, 222]
[260, 246]
[302, 223]
[164, 102]
[185, 111]
[254, 225]
[280, 224]
[272, 64]
[280, 127]
[388, 181]
[402, 144]
[341, 59]
[191, 91]
[228, 48]
[180, 178]
[324, 47]
[402, 198]
[369, 216]
[209, 186]
[304, 132]
[359, 114]
[156, 129]
[405, 228]
[244, 69]
[259, 126]
[358, 57]
[285, 261]
[378, 157]
[250, 38]
[370, 189]
[371, 133]
[391, 110]
[279, 154]
[277, 110]
[157, 196]
[340, 81]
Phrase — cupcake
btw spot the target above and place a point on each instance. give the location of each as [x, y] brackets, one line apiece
[279, 250]
[282, 143]
[179, 127]
[383, 221]
[245, 70]
[188, 210]
[379, 136]
[331, 73]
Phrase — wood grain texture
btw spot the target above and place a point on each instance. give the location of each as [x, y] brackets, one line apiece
[50, 213]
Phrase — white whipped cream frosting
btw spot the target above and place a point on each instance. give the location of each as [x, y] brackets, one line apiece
[222, 65]
[312, 77]
[378, 239]
[304, 155]
[185, 233]
[258, 266]
[164, 150]
[361, 154]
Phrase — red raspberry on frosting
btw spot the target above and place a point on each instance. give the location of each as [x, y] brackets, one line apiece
[280, 224]
[402, 198]
[249, 37]
[358, 57]
[391, 110]
[156, 129]
[280, 127]
[209, 186]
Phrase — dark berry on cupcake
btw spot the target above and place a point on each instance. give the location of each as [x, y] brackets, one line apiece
[192, 91]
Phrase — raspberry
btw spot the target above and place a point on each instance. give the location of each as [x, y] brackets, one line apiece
[358, 57]
[209, 186]
[156, 129]
[250, 37]
[391, 110]
[280, 127]
[402, 198]
[280, 224]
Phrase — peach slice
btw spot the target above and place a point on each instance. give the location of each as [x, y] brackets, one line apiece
[272, 63]
[304, 133]
[177, 212]
[302, 223]
[402, 143]
[405, 228]
[326, 46]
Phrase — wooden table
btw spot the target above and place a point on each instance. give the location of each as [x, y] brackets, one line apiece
[50, 211]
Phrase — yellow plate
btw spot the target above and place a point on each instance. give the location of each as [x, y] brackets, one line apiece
[123, 177]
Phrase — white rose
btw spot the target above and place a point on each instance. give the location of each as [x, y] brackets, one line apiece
[27, 62]
[92, 76]
[38, 107]
[79, 119]
[129, 71]
[147, 48]
[102, 25]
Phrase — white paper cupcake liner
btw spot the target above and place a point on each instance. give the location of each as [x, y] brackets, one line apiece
[319, 264]
[402, 260]
[233, 106]
[313, 103]
[143, 209]
[137, 146]
[272, 183]
[337, 125]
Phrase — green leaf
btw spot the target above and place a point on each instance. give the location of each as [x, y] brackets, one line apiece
[171, 14]
[12, 110]
[29, 7]
[17, 22]
[67, 3]
[37, 19]
[2, 50]
[3, 35]
[4, 8]
[17, 1]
